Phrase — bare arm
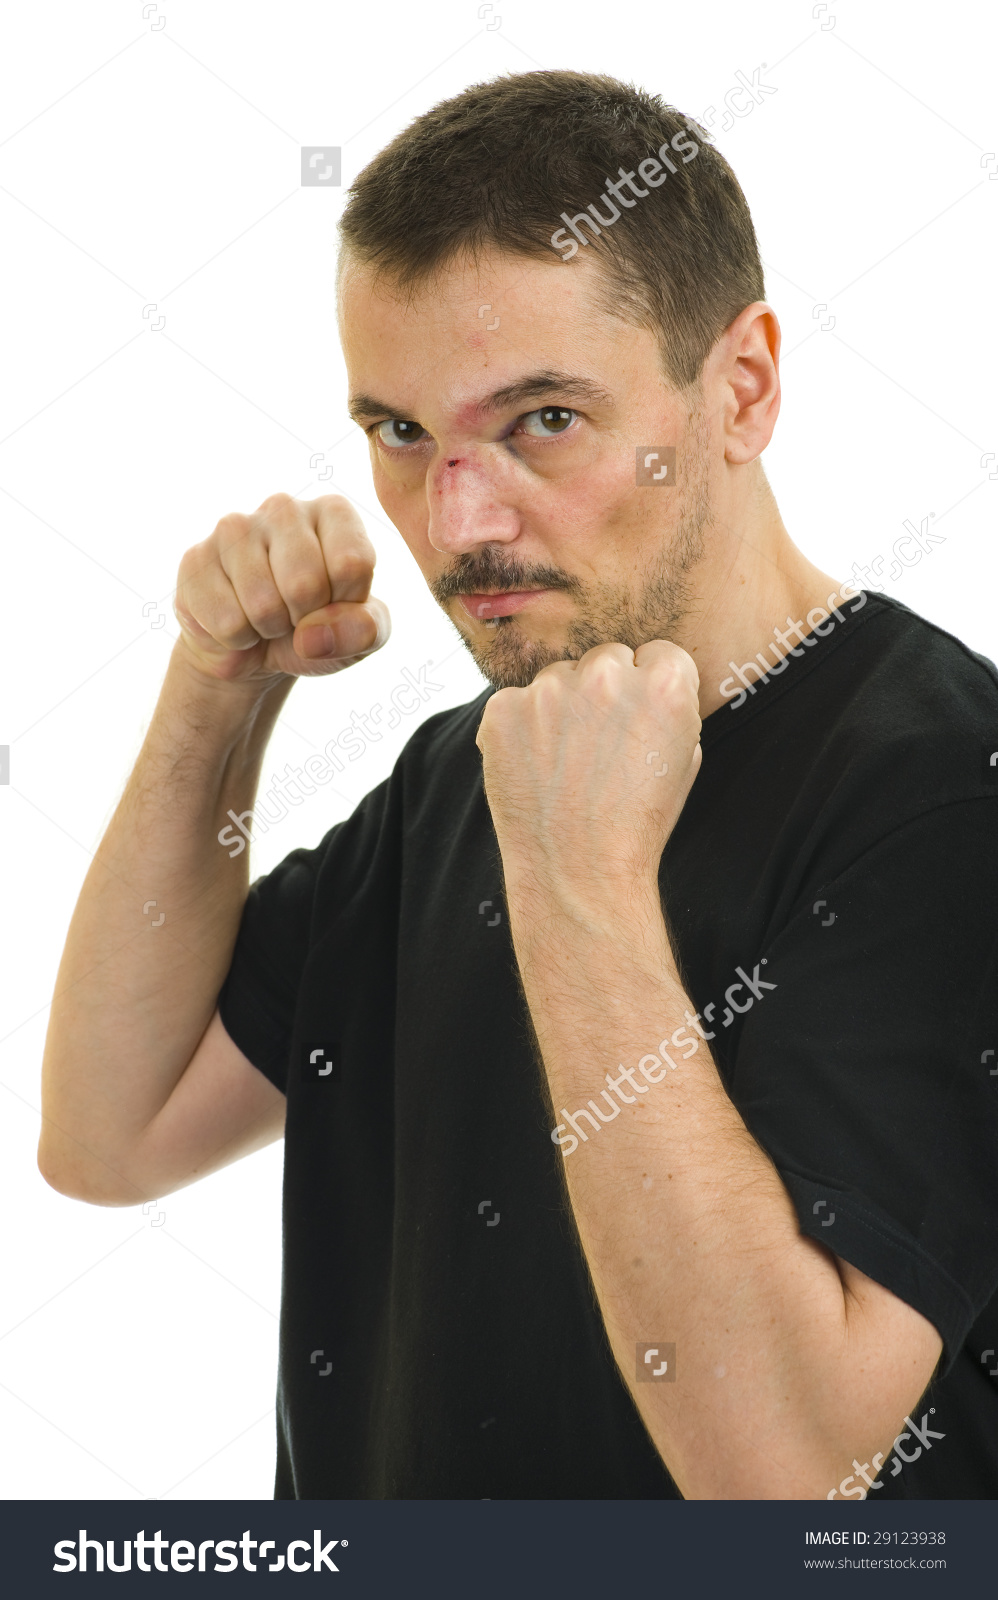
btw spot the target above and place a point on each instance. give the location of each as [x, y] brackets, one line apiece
[142, 1090]
[788, 1361]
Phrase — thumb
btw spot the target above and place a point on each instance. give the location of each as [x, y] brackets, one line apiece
[343, 630]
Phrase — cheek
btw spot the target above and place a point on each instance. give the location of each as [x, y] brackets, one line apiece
[405, 508]
[395, 482]
[584, 507]
[639, 506]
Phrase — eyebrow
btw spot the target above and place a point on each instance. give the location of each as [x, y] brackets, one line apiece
[569, 386]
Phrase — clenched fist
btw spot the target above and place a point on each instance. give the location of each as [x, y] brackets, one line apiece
[283, 591]
[587, 770]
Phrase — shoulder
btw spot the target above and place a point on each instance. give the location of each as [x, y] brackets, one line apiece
[911, 720]
[911, 688]
[922, 673]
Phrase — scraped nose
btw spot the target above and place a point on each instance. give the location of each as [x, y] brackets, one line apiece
[468, 503]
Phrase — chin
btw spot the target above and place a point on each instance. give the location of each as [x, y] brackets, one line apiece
[511, 661]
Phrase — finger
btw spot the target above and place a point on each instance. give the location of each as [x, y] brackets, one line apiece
[299, 570]
[657, 651]
[343, 629]
[660, 650]
[244, 559]
[556, 669]
[294, 554]
[208, 607]
[613, 650]
[348, 553]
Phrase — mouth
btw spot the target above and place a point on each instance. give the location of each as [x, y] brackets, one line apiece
[486, 607]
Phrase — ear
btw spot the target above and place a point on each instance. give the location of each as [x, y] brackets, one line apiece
[746, 359]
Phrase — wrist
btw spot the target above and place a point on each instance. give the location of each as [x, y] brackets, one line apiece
[610, 906]
[239, 696]
[223, 724]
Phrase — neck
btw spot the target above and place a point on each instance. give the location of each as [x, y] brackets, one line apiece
[751, 579]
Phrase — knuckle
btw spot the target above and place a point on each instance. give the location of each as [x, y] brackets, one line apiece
[191, 563]
[350, 564]
[232, 631]
[266, 611]
[184, 615]
[256, 593]
[336, 513]
[604, 673]
[227, 624]
[280, 503]
[232, 528]
[547, 684]
[497, 707]
[305, 592]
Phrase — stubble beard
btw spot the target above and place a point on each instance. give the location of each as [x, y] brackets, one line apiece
[622, 613]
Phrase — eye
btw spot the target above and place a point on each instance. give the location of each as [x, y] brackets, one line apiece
[548, 421]
[397, 433]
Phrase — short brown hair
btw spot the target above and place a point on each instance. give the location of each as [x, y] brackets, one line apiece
[496, 166]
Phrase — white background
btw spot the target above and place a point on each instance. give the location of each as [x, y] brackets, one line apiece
[145, 165]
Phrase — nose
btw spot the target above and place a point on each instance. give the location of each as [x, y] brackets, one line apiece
[470, 502]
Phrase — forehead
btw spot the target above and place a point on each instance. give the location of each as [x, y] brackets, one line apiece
[528, 286]
[475, 327]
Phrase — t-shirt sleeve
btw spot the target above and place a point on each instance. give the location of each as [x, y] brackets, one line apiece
[869, 1073]
[257, 1000]
[285, 913]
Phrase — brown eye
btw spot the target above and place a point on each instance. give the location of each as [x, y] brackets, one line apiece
[397, 432]
[549, 420]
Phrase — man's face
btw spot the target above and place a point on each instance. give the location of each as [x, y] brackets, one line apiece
[505, 456]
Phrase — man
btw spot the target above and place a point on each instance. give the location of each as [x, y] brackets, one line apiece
[634, 1036]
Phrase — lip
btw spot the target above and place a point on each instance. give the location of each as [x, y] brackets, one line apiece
[485, 606]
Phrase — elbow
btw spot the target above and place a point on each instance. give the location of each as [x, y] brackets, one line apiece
[78, 1182]
[62, 1182]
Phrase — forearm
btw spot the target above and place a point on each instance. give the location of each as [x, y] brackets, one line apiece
[690, 1235]
[138, 981]
[789, 1359]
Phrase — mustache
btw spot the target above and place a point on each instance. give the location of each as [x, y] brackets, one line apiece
[478, 572]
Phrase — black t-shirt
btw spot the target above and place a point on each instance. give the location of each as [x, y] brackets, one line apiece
[832, 891]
